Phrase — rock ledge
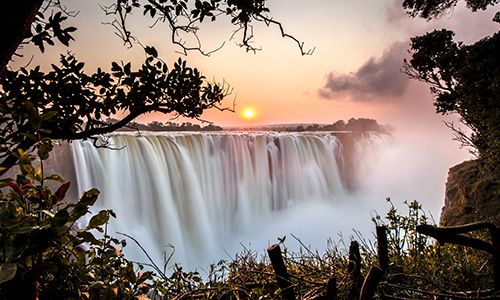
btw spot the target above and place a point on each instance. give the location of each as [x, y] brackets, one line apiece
[471, 196]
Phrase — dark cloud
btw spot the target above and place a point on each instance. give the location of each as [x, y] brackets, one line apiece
[379, 79]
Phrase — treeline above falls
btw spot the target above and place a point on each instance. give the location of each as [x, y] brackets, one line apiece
[359, 125]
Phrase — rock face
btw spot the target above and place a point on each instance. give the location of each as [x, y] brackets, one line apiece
[471, 196]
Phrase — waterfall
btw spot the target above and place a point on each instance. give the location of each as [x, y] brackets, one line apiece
[200, 191]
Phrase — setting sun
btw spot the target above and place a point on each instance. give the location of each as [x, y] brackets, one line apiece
[248, 113]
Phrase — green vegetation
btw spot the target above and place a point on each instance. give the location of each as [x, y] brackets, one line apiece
[66, 103]
[48, 250]
[430, 9]
[360, 125]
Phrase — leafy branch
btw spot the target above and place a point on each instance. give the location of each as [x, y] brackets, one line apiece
[66, 103]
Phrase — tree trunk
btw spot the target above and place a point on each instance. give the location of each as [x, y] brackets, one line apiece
[282, 276]
[16, 18]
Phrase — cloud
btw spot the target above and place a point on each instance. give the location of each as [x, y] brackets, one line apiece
[378, 79]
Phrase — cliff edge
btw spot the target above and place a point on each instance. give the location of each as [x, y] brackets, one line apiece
[471, 195]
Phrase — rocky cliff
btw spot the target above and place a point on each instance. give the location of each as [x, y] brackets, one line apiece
[471, 195]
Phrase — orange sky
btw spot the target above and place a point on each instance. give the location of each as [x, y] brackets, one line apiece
[354, 71]
[280, 83]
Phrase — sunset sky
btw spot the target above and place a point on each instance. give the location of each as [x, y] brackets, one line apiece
[354, 71]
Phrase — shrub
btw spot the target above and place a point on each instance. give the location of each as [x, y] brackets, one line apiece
[49, 251]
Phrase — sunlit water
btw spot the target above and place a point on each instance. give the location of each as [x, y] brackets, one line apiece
[207, 194]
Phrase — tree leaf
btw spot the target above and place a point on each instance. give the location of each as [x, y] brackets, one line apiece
[89, 197]
[48, 115]
[151, 51]
[61, 191]
[126, 69]
[115, 67]
[7, 271]
[143, 277]
[100, 219]
[89, 238]
[60, 218]
[55, 177]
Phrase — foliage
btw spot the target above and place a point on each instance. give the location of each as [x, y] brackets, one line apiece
[403, 237]
[417, 262]
[42, 22]
[66, 103]
[46, 254]
[418, 268]
[463, 78]
[49, 251]
[429, 9]
[45, 30]
[466, 80]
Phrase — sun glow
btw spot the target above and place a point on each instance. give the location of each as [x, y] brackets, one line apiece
[248, 113]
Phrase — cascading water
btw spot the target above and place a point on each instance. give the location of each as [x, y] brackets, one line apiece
[201, 191]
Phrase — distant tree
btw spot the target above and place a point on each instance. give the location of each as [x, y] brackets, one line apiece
[464, 79]
[339, 125]
[313, 127]
[68, 103]
[363, 125]
[156, 126]
[212, 127]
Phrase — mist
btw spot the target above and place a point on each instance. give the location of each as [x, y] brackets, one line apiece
[409, 165]
[210, 196]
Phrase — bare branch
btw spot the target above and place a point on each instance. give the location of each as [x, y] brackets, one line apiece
[431, 78]
[120, 24]
[300, 44]
[462, 137]
[176, 31]
[57, 5]
[182, 23]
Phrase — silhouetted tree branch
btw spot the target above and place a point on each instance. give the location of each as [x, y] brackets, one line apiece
[464, 80]
[15, 24]
[66, 103]
[184, 17]
[429, 9]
